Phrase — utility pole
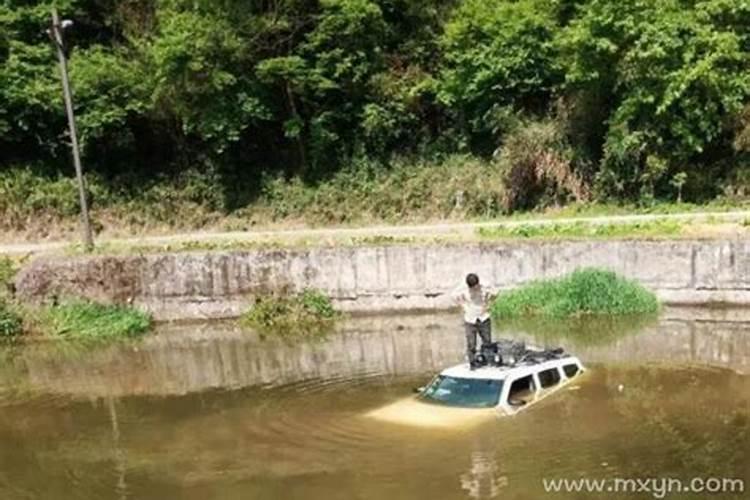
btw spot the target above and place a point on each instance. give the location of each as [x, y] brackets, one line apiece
[56, 33]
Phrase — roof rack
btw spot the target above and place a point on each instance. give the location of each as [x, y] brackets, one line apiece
[509, 353]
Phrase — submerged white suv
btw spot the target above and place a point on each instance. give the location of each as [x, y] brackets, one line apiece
[502, 381]
[507, 388]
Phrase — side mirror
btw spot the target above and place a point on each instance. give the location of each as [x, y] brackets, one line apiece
[418, 390]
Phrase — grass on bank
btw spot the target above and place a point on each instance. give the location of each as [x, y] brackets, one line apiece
[659, 207]
[587, 291]
[455, 188]
[587, 230]
[78, 321]
[92, 322]
[74, 320]
[228, 245]
[309, 313]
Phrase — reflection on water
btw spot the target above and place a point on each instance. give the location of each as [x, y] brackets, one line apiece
[483, 479]
[210, 412]
[193, 358]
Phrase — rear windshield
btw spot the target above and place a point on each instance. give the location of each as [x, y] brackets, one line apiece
[464, 392]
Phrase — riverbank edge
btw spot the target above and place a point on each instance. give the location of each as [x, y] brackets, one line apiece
[216, 285]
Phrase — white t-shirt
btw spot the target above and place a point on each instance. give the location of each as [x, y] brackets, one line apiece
[473, 301]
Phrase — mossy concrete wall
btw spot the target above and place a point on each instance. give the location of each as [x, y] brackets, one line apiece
[368, 279]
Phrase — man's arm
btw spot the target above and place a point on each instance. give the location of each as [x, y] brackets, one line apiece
[487, 300]
[458, 295]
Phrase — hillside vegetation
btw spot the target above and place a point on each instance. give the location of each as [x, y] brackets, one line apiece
[329, 111]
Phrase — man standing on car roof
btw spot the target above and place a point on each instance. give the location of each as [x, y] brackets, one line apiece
[474, 301]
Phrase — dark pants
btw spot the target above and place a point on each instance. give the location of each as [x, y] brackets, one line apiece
[484, 329]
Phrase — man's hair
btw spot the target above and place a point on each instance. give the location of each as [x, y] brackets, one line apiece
[472, 280]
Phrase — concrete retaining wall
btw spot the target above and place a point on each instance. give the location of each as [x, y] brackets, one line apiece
[222, 284]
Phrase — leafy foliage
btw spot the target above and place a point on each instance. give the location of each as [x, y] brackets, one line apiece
[674, 69]
[538, 167]
[498, 54]
[583, 292]
[7, 273]
[309, 313]
[11, 325]
[578, 98]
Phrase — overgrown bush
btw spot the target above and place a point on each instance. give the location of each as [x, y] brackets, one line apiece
[11, 325]
[309, 313]
[7, 273]
[454, 186]
[538, 167]
[407, 189]
[35, 202]
[584, 292]
[738, 184]
[25, 194]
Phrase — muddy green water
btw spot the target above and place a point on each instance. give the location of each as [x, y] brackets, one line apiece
[212, 412]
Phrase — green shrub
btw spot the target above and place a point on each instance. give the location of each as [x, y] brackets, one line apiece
[11, 325]
[89, 321]
[538, 166]
[497, 54]
[309, 313]
[669, 73]
[25, 194]
[7, 273]
[31, 201]
[585, 291]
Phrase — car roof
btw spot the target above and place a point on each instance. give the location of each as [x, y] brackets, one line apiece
[503, 372]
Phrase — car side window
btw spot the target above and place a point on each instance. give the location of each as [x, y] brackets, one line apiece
[549, 378]
[521, 391]
[570, 370]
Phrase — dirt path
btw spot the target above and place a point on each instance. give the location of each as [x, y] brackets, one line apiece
[448, 230]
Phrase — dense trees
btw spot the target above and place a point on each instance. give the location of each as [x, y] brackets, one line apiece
[671, 74]
[574, 98]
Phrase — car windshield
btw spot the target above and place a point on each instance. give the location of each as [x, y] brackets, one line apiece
[464, 392]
